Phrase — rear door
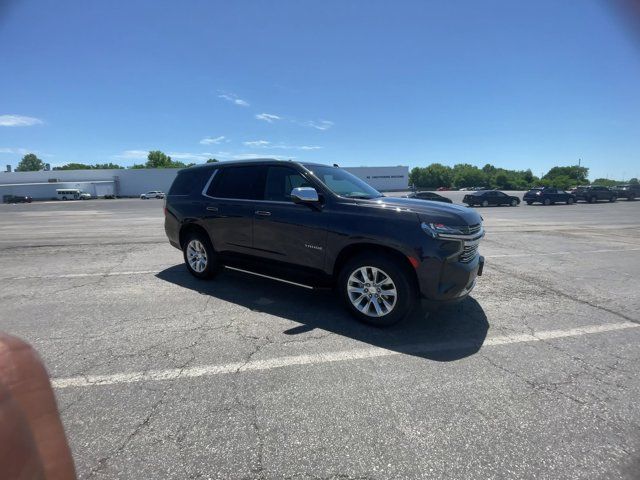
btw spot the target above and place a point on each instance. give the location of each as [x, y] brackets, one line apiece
[284, 231]
[229, 203]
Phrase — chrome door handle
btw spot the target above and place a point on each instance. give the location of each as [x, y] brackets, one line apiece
[262, 213]
[212, 209]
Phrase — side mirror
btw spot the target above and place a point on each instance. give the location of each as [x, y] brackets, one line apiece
[304, 195]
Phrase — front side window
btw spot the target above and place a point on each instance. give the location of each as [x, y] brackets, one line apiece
[245, 182]
[343, 183]
[280, 181]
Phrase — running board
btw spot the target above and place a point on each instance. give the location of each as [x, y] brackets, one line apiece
[270, 277]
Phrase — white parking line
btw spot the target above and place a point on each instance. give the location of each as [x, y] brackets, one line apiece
[321, 358]
[545, 254]
[83, 275]
[146, 272]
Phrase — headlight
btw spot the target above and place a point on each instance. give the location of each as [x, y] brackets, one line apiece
[435, 229]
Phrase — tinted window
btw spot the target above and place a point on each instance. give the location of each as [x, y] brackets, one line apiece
[189, 182]
[500, 194]
[280, 181]
[238, 182]
[425, 195]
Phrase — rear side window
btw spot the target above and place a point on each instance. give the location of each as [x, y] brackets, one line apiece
[245, 183]
[189, 182]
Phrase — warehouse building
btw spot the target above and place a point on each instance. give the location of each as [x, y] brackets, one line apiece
[131, 183]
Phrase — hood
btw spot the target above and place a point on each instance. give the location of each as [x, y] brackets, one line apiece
[428, 211]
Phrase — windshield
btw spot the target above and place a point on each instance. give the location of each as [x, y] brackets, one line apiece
[343, 183]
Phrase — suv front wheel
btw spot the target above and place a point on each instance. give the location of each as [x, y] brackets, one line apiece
[199, 256]
[376, 289]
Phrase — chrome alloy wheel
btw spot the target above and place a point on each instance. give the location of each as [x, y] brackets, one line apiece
[197, 256]
[372, 291]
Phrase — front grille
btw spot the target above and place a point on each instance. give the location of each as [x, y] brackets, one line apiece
[471, 229]
[469, 252]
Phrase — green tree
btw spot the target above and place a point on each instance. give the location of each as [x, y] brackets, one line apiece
[74, 166]
[137, 166]
[575, 172]
[107, 166]
[633, 181]
[465, 175]
[30, 163]
[157, 159]
[212, 160]
[433, 176]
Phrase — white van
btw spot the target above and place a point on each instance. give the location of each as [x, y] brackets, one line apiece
[72, 194]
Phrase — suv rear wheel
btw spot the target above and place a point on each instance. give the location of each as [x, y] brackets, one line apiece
[199, 256]
[376, 289]
[613, 199]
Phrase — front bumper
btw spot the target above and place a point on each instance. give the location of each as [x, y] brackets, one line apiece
[445, 282]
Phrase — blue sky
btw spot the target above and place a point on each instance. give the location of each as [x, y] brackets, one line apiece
[515, 84]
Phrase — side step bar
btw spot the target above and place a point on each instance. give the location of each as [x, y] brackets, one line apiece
[270, 277]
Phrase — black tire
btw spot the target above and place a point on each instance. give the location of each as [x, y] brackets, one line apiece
[547, 201]
[399, 275]
[632, 196]
[485, 203]
[613, 199]
[529, 202]
[514, 203]
[64, 198]
[592, 200]
[569, 201]
[211, 259]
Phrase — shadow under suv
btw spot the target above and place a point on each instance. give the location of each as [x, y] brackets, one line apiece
[320, 226]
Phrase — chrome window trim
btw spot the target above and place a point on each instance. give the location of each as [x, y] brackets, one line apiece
[206, 186]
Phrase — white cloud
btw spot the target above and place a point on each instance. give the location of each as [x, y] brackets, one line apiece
[233, 98]
[267, 117]
[282, 146]
[247, 156]
[133, 154]
[16, 151]
[257, 143]
[18, 121]
[319, 125]
[212, 141]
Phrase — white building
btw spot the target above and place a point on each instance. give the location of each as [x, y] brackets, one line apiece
[131, 183]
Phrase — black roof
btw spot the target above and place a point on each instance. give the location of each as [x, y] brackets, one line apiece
[252, 161]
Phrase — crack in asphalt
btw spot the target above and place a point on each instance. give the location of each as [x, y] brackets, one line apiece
[104, 461]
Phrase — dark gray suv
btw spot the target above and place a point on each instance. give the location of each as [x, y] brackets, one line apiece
[320, 226]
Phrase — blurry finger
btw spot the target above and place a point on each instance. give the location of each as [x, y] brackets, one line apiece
[24, 375]
[19, 457]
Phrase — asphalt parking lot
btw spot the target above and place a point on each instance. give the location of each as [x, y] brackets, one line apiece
[159, 375]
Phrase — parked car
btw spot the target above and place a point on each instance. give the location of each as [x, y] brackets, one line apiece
[152, 194]
[593, 193]
[429, 196]
[490, 197]
[317, 225]
[548, 196]
[630, 192]
[443, 189]
[17, 199]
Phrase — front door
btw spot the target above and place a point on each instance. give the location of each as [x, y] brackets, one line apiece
[285, 231]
